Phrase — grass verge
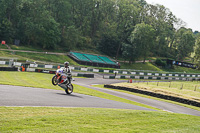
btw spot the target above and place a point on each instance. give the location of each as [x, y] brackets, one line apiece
[89, 120]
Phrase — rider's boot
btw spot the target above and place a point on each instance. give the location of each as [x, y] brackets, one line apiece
[69, 79]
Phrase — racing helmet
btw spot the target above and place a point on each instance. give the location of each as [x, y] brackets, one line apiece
[66, 64]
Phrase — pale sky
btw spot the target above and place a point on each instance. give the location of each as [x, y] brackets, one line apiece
[186, 10]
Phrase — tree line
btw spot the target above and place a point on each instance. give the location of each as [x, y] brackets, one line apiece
[129, 29]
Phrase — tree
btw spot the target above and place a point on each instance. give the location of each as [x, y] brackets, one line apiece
[6, 30]
[108, 43]
[162, 21]
[9, 17]
[10, 10]
[60, 11]
[197, 52]
[72, 39]
[105, 25]
[127, 13]
[39, 27]
[185, 42]
[129, 51]
[141, 41]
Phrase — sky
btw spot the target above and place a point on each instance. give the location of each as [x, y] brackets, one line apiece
[186, 10]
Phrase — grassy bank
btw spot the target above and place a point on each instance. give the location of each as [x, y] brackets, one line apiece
[42, 57]
[140, 66]
[48, 119]
[38, 57]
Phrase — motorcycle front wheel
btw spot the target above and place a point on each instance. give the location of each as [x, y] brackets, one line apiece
[69, 89]
[54, 80]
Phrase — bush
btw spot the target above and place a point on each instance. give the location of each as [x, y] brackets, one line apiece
[159, 62]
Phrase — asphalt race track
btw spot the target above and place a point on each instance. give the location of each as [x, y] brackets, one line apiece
[28, 96]
[169, 107]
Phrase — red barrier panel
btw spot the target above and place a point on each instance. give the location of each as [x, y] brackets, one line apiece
[3, 42]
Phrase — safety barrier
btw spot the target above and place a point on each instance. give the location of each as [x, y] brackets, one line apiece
[152, 78]
[53, 72]
[43, 71]
[124, 72]
[8, 69]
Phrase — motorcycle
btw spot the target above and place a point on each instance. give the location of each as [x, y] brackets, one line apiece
[60, 79]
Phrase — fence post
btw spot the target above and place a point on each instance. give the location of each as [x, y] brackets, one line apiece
[195, 88]
[181, 87]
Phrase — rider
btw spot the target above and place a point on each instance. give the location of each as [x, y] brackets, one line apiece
[67, 71]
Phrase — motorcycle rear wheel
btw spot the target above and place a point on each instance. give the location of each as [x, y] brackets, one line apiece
[69, 89]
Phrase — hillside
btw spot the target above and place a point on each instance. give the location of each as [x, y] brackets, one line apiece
[46, 57]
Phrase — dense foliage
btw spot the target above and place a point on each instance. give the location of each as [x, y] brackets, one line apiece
[130, 29]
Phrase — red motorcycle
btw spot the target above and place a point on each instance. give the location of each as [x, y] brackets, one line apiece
[60, 79]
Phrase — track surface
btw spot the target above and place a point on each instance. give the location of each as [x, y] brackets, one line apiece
[174, 108]
[27, 96]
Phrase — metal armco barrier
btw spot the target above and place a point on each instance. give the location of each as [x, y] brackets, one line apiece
[73, 74]
[8, 69]
[43, 71]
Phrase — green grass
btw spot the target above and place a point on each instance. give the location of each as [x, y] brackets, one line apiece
[6, 54]
[27, 48]
[92, 120]
[47, 57]
[53, 119]
[140, 66]
[151, 67]
[3, 46]
[22, 56]
[182, 70]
